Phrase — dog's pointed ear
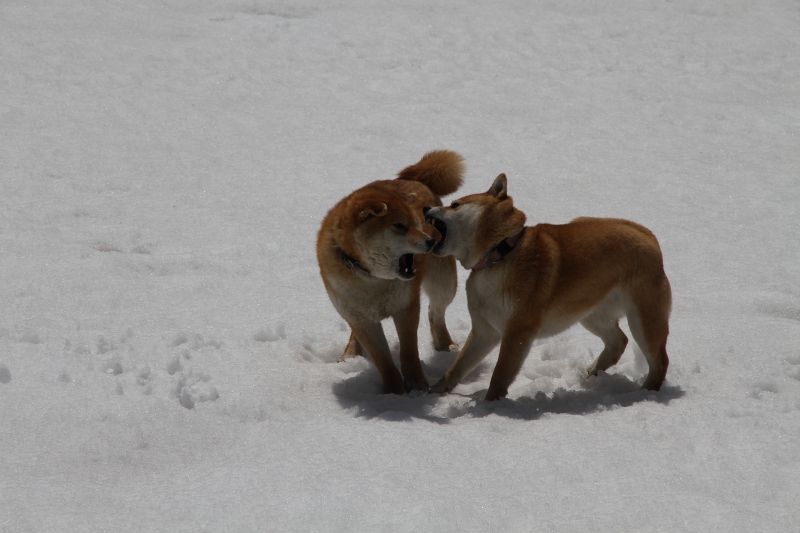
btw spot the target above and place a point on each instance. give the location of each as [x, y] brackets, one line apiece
[498, 188]
[377, 209]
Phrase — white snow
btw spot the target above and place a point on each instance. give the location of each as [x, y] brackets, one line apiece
[168, 356]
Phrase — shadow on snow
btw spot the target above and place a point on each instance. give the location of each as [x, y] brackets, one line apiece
[363, 393]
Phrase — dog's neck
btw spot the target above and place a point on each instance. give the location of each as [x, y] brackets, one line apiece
[496, 254]
[352, 264]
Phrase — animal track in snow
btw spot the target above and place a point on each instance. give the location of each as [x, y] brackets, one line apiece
[190, 389]
[137, 246]
[30, 337]
[174, 365]
[794, 361]
[113, 366]
[106, 247]
[143, 380]
[282, 10]
[313, 348]
[271, 334]
[761, 387]
[194, 341]
[190, 385]
[120, 357]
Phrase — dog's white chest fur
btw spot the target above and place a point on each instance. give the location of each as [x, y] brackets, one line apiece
[369, 299]
[487, 297]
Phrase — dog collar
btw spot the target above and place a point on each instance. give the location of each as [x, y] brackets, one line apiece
[352, 264]
[498, 252]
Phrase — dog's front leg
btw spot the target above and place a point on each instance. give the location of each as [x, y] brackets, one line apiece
[370, 336]
[514, 348]
[353, 348]
[482, 340]
[407, 324]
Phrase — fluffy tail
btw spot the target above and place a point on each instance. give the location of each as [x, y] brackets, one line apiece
[442, 171]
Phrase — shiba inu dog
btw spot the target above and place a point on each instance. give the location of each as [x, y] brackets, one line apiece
[534, 282]
[373, 256]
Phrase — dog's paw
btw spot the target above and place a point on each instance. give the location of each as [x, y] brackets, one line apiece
[443, 342]
[652, 384]
[493, 395]
[394, 389]
[443, 346]
[416, 383]
[449, 347]
[441, 387]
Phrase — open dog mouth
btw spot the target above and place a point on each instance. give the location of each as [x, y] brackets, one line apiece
[406, 267]
[441, 227]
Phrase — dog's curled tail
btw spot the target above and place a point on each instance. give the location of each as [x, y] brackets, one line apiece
[442, 171]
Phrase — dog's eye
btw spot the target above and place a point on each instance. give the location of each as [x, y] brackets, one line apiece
[399, 226]
[454, 205]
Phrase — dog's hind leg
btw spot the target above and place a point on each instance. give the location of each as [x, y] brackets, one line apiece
[407, 324]
[353, 348]
[649, 324]
[603, 321]
[370, 336]
[615, 342]
[440, 285]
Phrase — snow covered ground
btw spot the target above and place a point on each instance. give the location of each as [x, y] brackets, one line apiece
[168, 356]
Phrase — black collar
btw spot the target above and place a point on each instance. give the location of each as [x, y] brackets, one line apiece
[352, 264]
[498, 252]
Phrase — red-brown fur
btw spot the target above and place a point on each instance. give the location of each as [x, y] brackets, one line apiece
[362, 225]
[591, 271]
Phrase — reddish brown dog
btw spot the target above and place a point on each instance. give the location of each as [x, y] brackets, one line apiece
[533, 282]
[373, 255]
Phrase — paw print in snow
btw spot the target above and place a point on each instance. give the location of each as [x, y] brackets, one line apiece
[190, 388]
[5, 374]
[270, 334]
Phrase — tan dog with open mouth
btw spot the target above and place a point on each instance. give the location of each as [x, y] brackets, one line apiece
[373, 256]
[534, 282]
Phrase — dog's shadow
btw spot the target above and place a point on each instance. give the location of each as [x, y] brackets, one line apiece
[362, 393]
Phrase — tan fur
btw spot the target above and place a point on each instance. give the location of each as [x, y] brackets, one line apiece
[376, 225]
[441, 170]
[591, 270]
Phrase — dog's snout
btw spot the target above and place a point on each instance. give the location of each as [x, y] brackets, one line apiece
[426, 209]
[430, 243]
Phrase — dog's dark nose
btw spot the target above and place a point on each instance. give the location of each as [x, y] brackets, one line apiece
[430, 243]
[426, 209]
